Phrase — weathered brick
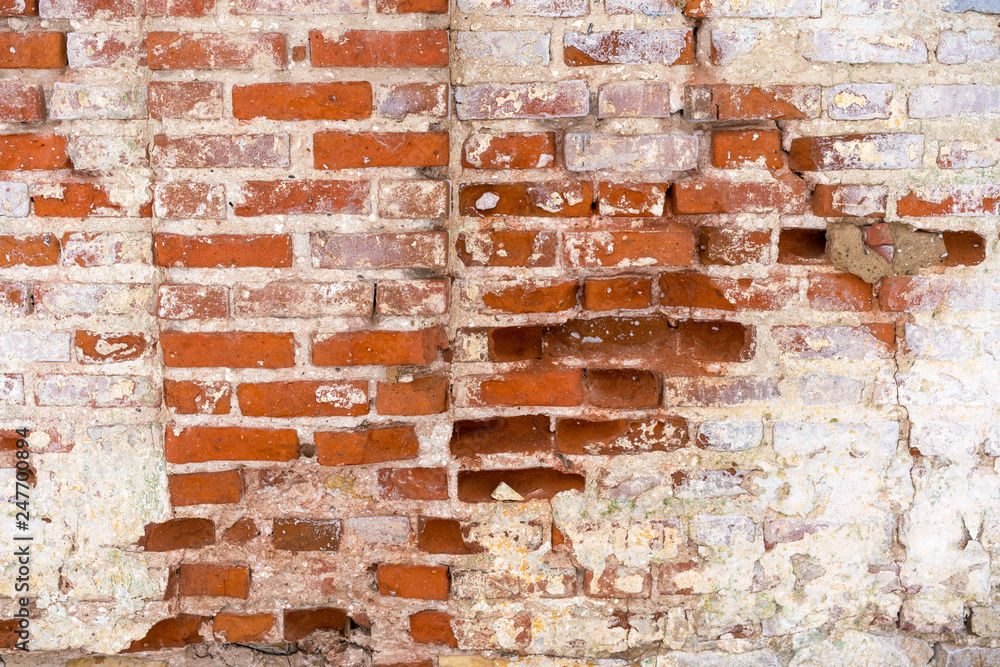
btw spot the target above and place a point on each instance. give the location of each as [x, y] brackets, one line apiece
[188, 397]
[423, 297]
[620, 436]
[61, 300]
[413, 199]
[300, 623]
[957, 48]
[943, 101]
[673, 246]
[241, 628]
[864, 342]
[291, 8]
[839, 291]
[413, 483]
[304, 300]
[857, 151]
[411, 6]
[96, 391]
[654, 152]
[400, 100]
[720, 245]
[515, 48]
[554, 8]
[179, 7]
[99, 153]
[833, 201]
[210, 151]
[840, 46]
[959, 200]
[405, 250]
[633, 99]
[492, 101]
[860, 101]
[753, 8]
[478, 486]
[545, 199]
[515, 248]
[380, 48]
[695, 290]
[188, 302]
[629, 47]
[21, 103]
[199, 201]
[72, 101]
[191, 100]
[510, 151]
[177, 50]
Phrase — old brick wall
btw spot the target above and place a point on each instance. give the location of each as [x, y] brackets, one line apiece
[512, 333]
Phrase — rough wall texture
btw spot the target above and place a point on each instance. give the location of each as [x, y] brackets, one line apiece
[504, 334]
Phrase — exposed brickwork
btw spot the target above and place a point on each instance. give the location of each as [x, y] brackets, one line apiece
[418, 334]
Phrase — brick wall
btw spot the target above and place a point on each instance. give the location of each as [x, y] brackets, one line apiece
[649, 332]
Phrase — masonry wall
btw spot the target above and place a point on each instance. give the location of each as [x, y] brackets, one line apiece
[534, 333]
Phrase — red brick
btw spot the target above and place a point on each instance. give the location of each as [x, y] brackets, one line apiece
[241, 532]
[413, 483]
[432, 627]
[444, 536]
[37, 250]
[730, 247]
[177, 50]
[421, 396]
[230, 349]
[368, 150]
[303, 101]
[192, 397]
[206, 488]
[175, 632]
[534, 150]
[415, 297]
[302, 197]
[545, 199]
[21, 103]
[644, 200]
[692, 290]
[964, 248]
[304, 398]
[627, 389]
[33, 151]
[240, 628]
[534, 296]
[88, 9]
[32, 50]
[840, 291]
[380, 48]
[179, 7]
[199, 201]
[223, 250]
[103, 348]
[192, 533]
[306, 534]
[620, 436]
[523, 434]
[191, 100]
[477, 486]
[736, 149]
[802, 246]
[376, 445]
[741, 102]
[78, 200]
[529, 249]
[515, 343]
[300, 623]
[557, 387]
[380, 348]
[426, 250]
[197, 444]
[412, 6]
[413, 581]
[848, 151]
[673, 246]
[706, 197]
[193, 302]
[205, 579]
[619, 293]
